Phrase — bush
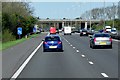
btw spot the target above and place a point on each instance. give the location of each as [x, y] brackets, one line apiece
[97, 27]
[7, 36]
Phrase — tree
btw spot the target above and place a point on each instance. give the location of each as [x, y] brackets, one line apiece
[17, 14]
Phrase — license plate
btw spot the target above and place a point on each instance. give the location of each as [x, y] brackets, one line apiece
[52, 46]
[102, 43]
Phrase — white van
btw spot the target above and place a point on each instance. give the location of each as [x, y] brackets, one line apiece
[67, 30]
[108, 28]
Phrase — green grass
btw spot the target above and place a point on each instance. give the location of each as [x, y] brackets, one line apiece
[9, 44]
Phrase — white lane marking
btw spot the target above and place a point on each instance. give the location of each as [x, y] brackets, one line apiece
[83, 55]
[116, 40]
[77, 50]
[67, 40]
[73, 47]
[17, 73]
[91, 62]
[104, 75]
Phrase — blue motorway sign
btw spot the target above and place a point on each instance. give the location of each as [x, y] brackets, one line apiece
[19, 30]
[34, 30]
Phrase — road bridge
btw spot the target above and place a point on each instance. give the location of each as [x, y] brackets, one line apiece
[59, 23]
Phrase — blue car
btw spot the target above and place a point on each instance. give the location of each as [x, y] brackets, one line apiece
[52, 42]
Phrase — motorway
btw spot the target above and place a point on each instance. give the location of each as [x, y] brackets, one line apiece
[76, 61]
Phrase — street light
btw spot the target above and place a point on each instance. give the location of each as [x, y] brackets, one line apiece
[104, 14]
[113, 14]
[90, 19]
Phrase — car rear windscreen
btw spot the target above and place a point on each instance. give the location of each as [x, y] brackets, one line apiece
[52, 39]
[84, 30]
[102, 35]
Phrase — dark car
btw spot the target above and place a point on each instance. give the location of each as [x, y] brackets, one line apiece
[83, 32]
[100, 40]
[52, 42]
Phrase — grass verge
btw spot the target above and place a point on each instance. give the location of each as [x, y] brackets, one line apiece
[9, 44]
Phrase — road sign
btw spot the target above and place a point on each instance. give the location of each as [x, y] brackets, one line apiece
[19, 30]
[34, 30]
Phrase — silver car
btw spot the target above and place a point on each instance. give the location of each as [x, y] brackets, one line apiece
[100, 40]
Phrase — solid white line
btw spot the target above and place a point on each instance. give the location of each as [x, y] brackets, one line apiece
[104, 75]
[91, 62]
[71, 45]
[83, 55]
[16, 74]
[77, 50]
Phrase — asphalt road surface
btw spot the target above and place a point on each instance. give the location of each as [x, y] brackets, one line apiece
[77, 60]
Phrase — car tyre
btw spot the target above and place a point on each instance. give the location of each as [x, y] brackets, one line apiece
[110, 46]
[90, 46]
[80, 35]
[93, 47]
[44, 50]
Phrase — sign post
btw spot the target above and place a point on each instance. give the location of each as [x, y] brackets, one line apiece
[19, 31]
[34, 30]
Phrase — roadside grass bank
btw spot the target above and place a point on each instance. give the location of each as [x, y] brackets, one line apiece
[9, 44]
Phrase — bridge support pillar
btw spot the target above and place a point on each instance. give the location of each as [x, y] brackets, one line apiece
[63, 24]
[85, 25]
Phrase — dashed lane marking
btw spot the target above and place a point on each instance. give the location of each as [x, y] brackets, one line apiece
[90, 62]
[77, 50]
[104, 75]
[83, 55]
[73, 47]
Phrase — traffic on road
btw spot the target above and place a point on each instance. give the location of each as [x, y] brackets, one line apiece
[50, 44]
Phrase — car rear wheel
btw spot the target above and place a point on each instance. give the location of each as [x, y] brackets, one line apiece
[44, 50]
[90, 46]
[93, 46]
[110, 46]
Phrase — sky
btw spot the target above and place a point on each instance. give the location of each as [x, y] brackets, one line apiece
[60, 10]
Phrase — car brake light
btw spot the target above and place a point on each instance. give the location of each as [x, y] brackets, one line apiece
[45, 42]
[95, 40]
[111, 39]
[59, 42]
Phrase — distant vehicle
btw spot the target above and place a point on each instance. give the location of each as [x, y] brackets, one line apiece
[67, 30]
[57, 31]
[60, 30]
[114, 31]
[75, 31]
[84, 32]
[101, 31]
[107, 29]
[52, 42]
[100, 39]
[53, 30]
[37, 29]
